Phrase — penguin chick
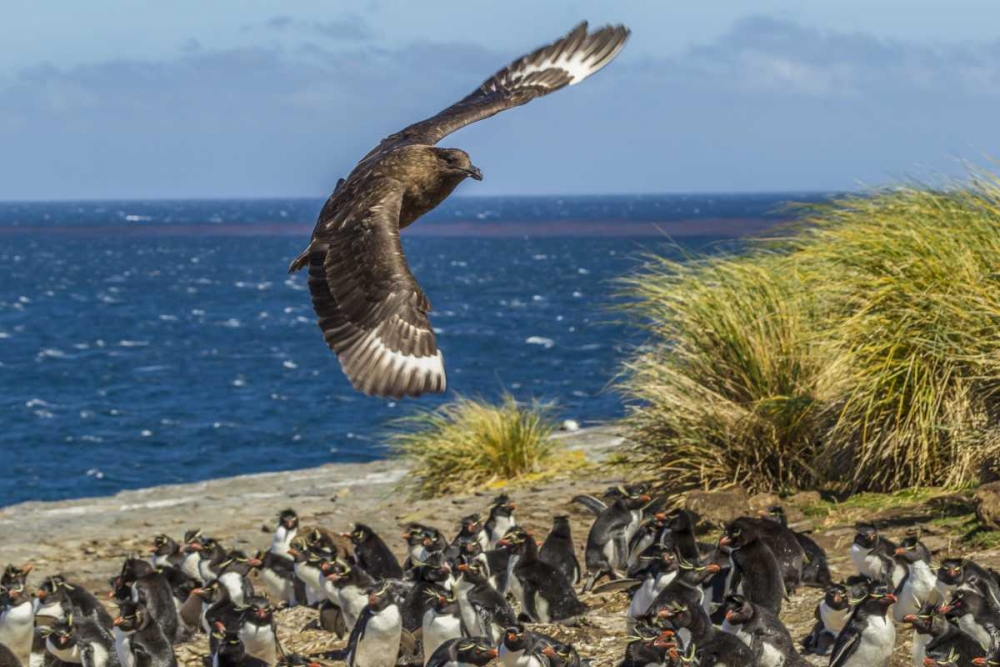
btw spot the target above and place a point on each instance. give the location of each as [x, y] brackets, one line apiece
[869, 637]
[558, 550]
[760, 629]
[754, 568]
[464, 652]
[372, 554]
[139, 640]
[543, 592]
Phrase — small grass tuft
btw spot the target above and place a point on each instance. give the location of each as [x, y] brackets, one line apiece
[470, 444]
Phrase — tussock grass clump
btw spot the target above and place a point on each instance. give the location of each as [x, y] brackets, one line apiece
[729, 386]
[863, 351]
[467, 444]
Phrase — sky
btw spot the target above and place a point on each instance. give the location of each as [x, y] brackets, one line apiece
[254, 98]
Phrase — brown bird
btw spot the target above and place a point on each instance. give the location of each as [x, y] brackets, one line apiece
[372, 311]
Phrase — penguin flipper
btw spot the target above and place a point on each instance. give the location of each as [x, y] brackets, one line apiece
[595, 505]
[617, 585]
[846, 644]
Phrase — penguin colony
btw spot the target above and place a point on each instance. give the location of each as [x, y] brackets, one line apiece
[471, 600]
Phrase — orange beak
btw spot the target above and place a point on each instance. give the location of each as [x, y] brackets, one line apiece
[118, 621]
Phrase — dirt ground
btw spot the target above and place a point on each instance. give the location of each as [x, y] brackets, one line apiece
[86, 539]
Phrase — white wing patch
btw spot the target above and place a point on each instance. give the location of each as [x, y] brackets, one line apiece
[390, 369]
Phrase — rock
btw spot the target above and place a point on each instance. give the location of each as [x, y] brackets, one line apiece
[570, 426]
[987, 498]
[719, 507]
[804, 499]
[762, 501]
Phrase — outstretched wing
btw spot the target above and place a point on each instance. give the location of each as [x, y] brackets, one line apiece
[565, 62]
[372, 311]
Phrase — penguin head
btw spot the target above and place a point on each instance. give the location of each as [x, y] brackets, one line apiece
[689, 657]
[381, 596]
[867, 536]
[443, 602]
[52, 591]
[119, 589]
[879, 599]
[469, 548]
[472, 570]
[737, 535]
[951, 660]
[738, 609]
[514, 539]
[963, 603]
[837, 597]
[775, 513]
[951, 572]
[656, 559]
[923, 620]
[288, 520]
[132, 616]
[561, 655]
[237, 561]
[694, 573]
[360, 534]
[258, 611]
[633, 496]
[675, 615]
[681, 520]
[472, 525]
[163, 546]
[336, 571]
[414, 534]
[503, 506]
[15, 575]
[992, 660]
[515, 638]
[192, 541]
[475, 651]
[909, 550]
[62, 633]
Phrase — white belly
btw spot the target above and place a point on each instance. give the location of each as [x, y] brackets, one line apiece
[233, 581]
[868, 565]
[352, 602]
[542, 608]
[919, 589]
[282, 540]
[123, 647]
[513, 583]
[469, 617]
[310, 577]
[278, 589]
[518, 658]
[977, 631]
[100, 655]
[771, 657]
[877, 643]
[437, 630]
[380, 646]
[189, 566]
[920, 643]
[17, 630]
[644, 596]
[260, 642]
[71, 654]
[500, 528]
[737, 631]
[834, 620]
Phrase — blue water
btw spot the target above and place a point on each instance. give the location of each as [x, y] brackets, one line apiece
[133, 360]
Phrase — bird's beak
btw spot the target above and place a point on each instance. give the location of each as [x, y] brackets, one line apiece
[474, 173]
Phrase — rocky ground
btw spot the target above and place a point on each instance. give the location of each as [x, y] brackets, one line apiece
[86, 539]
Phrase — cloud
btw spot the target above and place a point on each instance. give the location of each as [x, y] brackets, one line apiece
[769, 105]
[351, 27]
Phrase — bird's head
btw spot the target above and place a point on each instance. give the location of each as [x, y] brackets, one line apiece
[458, 162]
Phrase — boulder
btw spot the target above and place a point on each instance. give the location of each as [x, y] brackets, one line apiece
[987, 499]
[804, 499]
[762, 501]
[719, 507]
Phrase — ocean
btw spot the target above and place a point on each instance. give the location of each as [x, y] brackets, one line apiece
[146, 343]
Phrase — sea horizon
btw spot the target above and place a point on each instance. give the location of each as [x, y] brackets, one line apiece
[154, 342]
